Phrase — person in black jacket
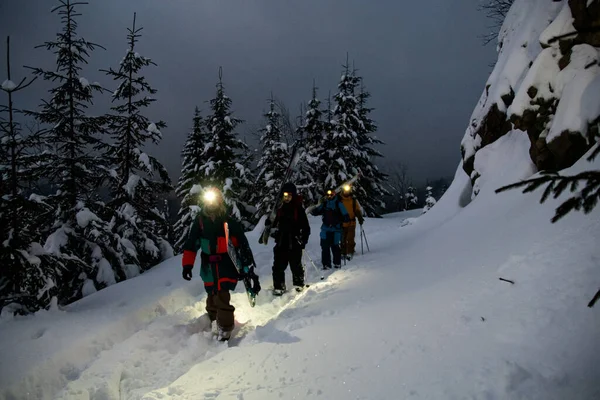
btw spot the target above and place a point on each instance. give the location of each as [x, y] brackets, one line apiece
[291, 231]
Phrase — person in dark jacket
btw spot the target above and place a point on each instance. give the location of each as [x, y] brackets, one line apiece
[334, 215]
[220, 276]
[291, 232]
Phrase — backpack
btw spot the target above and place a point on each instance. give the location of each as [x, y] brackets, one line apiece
[332, 217]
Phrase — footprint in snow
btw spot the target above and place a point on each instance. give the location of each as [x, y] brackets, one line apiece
[39, 334]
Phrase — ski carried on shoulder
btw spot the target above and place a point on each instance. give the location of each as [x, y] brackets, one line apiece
[248, 280]
[337, 190]
[291, 168]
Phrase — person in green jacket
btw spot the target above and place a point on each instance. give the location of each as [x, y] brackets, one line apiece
[220, 276]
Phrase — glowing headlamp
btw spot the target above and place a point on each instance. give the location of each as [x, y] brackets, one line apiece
[287, 197]
[209, 196]
[329, 192]
[347, 188]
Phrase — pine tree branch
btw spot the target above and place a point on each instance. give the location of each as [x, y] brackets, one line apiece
[586, 199]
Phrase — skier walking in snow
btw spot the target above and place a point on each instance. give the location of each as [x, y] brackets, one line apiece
[207, 234]
[349, 228]
[334, 214]
[291, 232]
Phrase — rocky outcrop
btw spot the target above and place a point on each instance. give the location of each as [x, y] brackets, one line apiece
[493, 126]
[586, 21]
[545, 84]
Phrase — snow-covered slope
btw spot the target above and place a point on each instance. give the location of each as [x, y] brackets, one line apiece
[423, 315]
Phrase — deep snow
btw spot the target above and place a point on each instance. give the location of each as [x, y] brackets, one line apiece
[423, 315]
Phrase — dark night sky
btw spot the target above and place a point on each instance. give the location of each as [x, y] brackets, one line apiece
[423, 62]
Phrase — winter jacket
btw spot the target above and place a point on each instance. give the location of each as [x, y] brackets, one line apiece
[354, 210]
[216, 268]
[291, 224]
[334, 214]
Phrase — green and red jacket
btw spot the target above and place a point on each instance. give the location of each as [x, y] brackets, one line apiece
[208, 236]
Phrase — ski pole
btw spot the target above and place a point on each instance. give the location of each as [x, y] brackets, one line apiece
[312, 262]
[365, 235]
[362, 250]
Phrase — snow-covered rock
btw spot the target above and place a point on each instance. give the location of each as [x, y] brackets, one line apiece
[541, 87]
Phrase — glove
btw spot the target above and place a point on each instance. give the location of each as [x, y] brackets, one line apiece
[187, 272]
[267, 222]
[346, 218]
[246, 272]
[360, 221]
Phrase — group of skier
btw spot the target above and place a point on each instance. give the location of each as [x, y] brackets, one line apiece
[213, 231]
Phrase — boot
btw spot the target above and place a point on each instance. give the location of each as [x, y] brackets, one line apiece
[223, 335]
[337, 266]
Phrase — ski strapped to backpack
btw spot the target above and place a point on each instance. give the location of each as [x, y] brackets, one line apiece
[337, 190]
[249, 278]
[291, 168]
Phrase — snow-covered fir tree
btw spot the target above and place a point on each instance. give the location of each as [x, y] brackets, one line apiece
[344, 155]
[136, 179]
[78, 236]
[167, 229]
[226, 158]
[191, 174]
[28, 279]
[273, 162]
[411, 199]
[312, 171]
[429, 199]
[372, 180]
[327, 145]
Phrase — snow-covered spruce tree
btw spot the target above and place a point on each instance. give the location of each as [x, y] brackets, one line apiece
[343, 154]
[411, 198]
[272, 164]
[167, 229]
[136, 179]
[28, 279]
[78, 237]
[191, 174]
[327, 145]
[371, 185]
[429, 199]
[226, 158]
[312, 170]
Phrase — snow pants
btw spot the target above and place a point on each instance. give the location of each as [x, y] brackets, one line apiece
[283, 257]
[330, 244]
[348, 239]
[219, 309]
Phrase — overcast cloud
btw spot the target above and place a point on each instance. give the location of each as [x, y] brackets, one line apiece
[422, 61]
